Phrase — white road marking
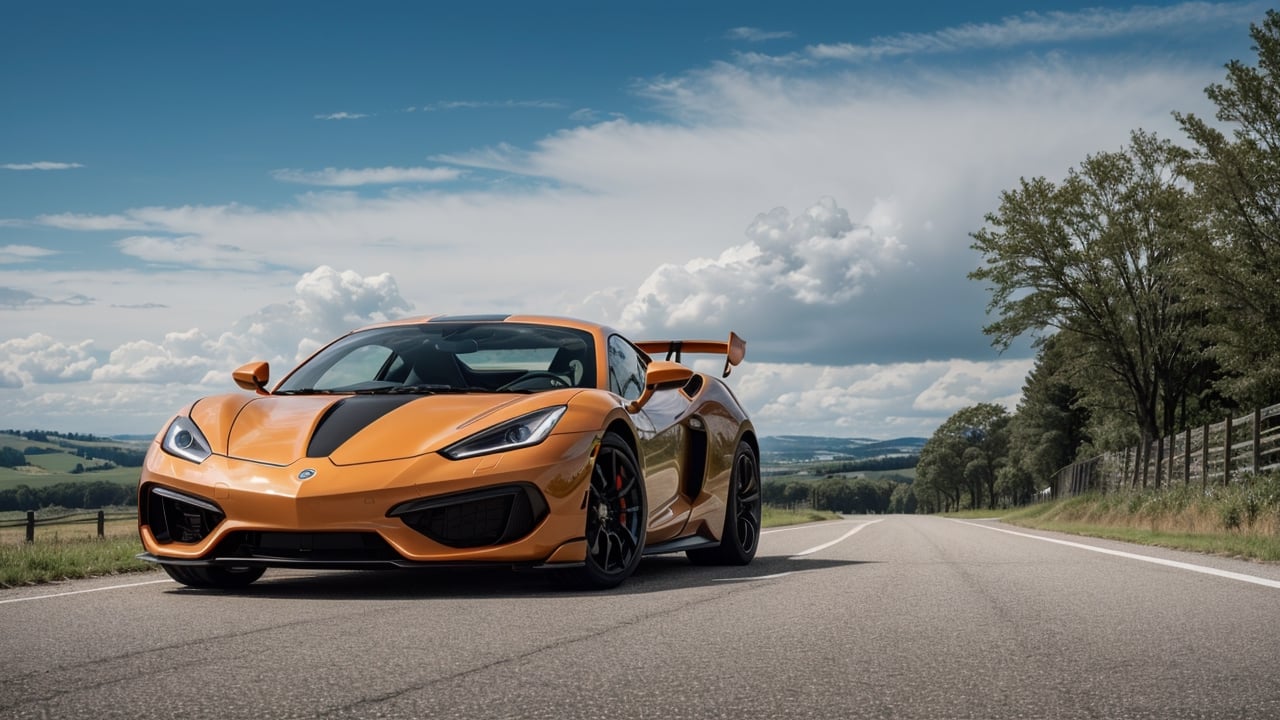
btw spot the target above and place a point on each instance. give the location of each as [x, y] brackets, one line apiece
[1265, 582]
[801, 526]
[758, 577]
[81, 592]
[837, 541]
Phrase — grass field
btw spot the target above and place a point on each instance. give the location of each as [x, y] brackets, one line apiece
[1238, 520]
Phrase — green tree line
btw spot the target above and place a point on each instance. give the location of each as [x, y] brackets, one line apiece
[1149, 280]
[88, 495]
[843, 495]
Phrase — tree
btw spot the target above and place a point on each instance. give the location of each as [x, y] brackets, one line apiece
[903, 499]
[12, 457]
[1237, 182]
[1049, 424]
[964, 455]
[1096, 258]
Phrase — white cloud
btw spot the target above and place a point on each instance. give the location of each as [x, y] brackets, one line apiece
[815, 258]
[42, 165]
[751, 34]
[187, 251]
[326, 304]
[1055, 26]
[10, 254]
[341, 116]
[41, 359]
[335, 177]
[874, 400]
[491, 104]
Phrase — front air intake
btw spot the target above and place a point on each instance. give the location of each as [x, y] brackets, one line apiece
[493, 516]
[177, 517]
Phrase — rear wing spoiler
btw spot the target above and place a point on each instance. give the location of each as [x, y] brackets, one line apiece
[734, 350]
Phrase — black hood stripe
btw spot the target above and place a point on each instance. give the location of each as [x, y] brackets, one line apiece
[349, 416]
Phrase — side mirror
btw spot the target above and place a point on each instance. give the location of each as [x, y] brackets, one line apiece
[253, 376]
[661, 374]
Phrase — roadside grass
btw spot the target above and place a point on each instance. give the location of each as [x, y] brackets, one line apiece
[69, 551]
[771, 516]
[68, 558]
[1237, 520]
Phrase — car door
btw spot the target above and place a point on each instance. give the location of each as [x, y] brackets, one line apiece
[661, 436]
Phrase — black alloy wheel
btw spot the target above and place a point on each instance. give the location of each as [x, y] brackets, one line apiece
[616, 518]
[741, 536]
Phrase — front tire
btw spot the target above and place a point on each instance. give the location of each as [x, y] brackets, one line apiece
[616, 518]
[225, 578]
[741, 535]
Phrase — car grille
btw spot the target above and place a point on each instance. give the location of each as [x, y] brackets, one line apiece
[177, 517]
[493, 516]
[318, 547]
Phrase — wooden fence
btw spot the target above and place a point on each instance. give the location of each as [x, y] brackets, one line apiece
[1212, 454]
[99, 517]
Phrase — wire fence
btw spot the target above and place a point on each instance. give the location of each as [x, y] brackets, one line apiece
[1210, 454]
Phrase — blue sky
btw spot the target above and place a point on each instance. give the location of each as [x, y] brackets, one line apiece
[188, 186]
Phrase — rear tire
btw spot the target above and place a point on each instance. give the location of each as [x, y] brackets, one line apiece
[616, 519]
[741, 535]
[214, 576]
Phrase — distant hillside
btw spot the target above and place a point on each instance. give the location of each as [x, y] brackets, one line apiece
[777, 449]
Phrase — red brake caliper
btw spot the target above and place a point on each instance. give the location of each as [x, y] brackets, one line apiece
[622, 502]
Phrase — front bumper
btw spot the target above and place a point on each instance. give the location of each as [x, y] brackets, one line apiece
[521, 508]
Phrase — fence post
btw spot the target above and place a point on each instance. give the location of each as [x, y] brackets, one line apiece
[1257, 438]
[31, 526]
[102, 518]
[1186, 457]
[1226, 455]
[1159, 459]
[1204, 457]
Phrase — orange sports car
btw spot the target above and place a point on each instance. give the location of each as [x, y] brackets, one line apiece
[524, 441]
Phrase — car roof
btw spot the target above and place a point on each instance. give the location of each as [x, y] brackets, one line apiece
[553, 320]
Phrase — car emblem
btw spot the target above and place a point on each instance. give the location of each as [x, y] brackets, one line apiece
[306, 474]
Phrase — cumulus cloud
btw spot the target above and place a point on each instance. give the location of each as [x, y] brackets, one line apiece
[42, 165]
[335, 177]
[789, 266]
[871, 400]
[326, 304]
[42, 359]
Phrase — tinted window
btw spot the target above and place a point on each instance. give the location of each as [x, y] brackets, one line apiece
[460, 355]
[626, 368]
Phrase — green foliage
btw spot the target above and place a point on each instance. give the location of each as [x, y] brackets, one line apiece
[12, 457]
[1237, 180]
[832, 494]
[39, 562]
[963, 458]
[1242, 518]
[1096, 257]
[88, 495]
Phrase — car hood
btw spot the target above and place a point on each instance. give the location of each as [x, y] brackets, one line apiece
[352, 429]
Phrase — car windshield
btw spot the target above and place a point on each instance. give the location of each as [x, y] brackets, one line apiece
[438, 357]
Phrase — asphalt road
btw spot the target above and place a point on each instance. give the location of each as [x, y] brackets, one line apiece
[911, 617]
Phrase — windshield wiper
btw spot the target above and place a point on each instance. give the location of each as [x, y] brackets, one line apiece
[422, 389]
[305, 391]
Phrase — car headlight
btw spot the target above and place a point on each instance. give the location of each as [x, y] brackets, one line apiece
[524, 431]
[185, 440]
